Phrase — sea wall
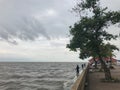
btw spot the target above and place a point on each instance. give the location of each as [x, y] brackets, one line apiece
[81, 81]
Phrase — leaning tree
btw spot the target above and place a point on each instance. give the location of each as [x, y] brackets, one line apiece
[89, 33]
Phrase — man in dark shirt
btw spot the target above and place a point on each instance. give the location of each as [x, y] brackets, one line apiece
[77, 70]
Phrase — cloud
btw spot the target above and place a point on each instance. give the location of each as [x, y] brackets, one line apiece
[31, 19]
[22, 21]
[112, 5]
[59, 42]
[24, 29]
[17, 21]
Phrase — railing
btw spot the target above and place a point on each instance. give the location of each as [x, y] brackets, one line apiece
[81, 81]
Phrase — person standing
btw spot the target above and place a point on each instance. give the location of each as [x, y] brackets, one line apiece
[82, 66]
[77, 70]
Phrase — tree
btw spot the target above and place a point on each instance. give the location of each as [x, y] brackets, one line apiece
[88, 34]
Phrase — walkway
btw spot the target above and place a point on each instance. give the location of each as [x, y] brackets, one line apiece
[96, 84]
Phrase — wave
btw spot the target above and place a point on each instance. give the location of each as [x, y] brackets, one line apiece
[37, 76]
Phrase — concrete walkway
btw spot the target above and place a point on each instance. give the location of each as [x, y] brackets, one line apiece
[96, 84]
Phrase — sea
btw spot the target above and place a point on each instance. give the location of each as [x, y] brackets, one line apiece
[37, 75]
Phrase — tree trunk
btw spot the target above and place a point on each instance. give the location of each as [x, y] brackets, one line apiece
[110, 61]
[106, 70]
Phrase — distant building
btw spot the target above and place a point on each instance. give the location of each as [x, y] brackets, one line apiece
[114, 61]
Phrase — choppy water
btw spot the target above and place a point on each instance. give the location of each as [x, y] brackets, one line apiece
[36, 76]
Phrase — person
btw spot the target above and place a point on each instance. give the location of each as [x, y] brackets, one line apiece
[77, 70]
[82, 66]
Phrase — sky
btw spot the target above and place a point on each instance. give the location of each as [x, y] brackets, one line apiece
[38, 30]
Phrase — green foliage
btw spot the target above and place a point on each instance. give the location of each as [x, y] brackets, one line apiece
[88, 34]
[106, 50]
[110, 49]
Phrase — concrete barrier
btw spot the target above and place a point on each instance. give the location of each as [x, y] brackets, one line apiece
[81, 81]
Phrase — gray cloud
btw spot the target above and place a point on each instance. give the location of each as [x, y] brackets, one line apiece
[24, 29]
[17, 21]
[29, 19]
[31, 29]
[112, 5]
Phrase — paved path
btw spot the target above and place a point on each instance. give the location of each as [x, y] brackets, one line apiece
[96, 84]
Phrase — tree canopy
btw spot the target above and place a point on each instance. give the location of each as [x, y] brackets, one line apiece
[89, 34]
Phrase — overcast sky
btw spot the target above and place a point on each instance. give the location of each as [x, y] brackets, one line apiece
[37, 30]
